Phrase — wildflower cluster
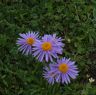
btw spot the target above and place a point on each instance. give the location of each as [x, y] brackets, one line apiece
[48, 48]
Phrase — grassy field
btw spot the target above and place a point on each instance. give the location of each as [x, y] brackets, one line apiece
[73, 20]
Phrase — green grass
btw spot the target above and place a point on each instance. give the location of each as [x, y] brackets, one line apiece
[73, 20]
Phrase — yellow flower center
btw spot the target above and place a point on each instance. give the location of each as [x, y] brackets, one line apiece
[63, 68]
[46, 46]
[30, 41]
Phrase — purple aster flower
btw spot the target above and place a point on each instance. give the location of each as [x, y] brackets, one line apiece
[26, 41]
[48, 48]
[63, 70]
[49, 75]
